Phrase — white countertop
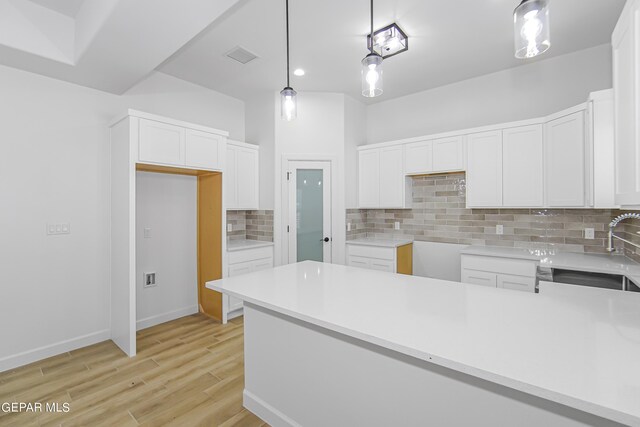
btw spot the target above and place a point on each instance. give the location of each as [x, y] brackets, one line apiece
[384, 243]
[238, 245]
[574, 349]
[597, 263]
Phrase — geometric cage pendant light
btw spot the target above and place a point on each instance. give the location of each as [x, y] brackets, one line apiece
[372, 69]
[288, 101]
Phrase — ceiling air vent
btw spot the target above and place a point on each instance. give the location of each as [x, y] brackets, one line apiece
[241, 55]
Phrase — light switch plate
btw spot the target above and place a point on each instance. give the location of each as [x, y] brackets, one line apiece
[397, 225]
[58, 229]
[589, 233]
[499, 229]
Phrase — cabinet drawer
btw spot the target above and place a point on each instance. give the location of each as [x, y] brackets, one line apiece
[516, 267]
[382, 265]
[263, 264]
[161, 143]
[373, 252]
[481, 278]
[516, 283]
[240, 268]
[250, 255]
[356, 261]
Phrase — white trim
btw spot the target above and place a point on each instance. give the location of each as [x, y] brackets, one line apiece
[243, 144]
[162, 119]
[30, 356]
[150, 321]
[481, 129]
[266, 412]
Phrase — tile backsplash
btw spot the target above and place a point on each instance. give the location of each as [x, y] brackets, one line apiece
[252, 225]
[439, 215]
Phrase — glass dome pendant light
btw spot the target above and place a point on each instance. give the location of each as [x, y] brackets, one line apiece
[372, 70]
[531, 28]
[288, 102]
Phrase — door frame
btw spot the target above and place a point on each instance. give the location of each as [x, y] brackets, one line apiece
[337, 204]
[325, 166]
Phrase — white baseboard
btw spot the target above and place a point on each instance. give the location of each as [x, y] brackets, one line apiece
[30, 356]
[266, 412]
[165, 317]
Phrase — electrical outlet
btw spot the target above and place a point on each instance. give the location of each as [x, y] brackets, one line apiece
[149, 280]
[147, 233]
[229, 228]
[499, 229]
[397, 225]
[589, 233]
[348, 226]
[57, 229]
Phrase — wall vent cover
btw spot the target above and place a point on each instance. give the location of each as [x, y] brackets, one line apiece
[241, 55]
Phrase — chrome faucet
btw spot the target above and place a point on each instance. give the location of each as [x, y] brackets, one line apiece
[613, 225]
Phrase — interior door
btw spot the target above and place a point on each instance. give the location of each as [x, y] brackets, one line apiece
[309, 211]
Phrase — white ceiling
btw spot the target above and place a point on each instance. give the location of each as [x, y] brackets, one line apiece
[69, 8]
[449, 41]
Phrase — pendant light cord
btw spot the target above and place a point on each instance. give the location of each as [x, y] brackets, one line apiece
[287, 12]
[371, 46]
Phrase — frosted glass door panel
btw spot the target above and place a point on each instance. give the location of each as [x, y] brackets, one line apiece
[309, 215]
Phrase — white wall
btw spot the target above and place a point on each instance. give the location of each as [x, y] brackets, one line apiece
[318, 130]
[54, 167]
[166, 206]
[528, 91]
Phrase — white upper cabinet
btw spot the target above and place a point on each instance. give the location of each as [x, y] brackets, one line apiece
[522, 158]
[203, 149]
[448, 154]
[161, 143]
[171, 144]
[565, 161]
[419, 158]
[484, 169]
[601, 152]
[369, 178]
[241, 176]
[382, 183]
[626, 85]
[392, 177]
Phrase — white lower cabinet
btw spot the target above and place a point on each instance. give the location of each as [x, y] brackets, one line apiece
[496, 272]
[242, 262]
[381, 258]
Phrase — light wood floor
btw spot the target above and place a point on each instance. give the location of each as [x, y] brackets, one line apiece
[189, 372]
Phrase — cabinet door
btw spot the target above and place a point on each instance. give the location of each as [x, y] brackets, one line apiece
[161, 143]
[419, 158]
[203, 149]
[481, 278]
[565, 161]
[229, 177]
[247, 178]
[484, 169]
[448, 154]
[522, 159]
[516, 283]
[369, 178]
[392, 177]
[626, 51]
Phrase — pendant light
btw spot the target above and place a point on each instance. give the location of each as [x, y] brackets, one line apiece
[531, 28]
[372, 69]
[288, 103]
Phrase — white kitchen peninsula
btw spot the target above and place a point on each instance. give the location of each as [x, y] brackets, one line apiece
[333, 345]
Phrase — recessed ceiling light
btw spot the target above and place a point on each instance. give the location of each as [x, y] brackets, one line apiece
[298, 72]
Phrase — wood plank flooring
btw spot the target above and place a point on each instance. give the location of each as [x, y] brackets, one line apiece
[188, 372]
